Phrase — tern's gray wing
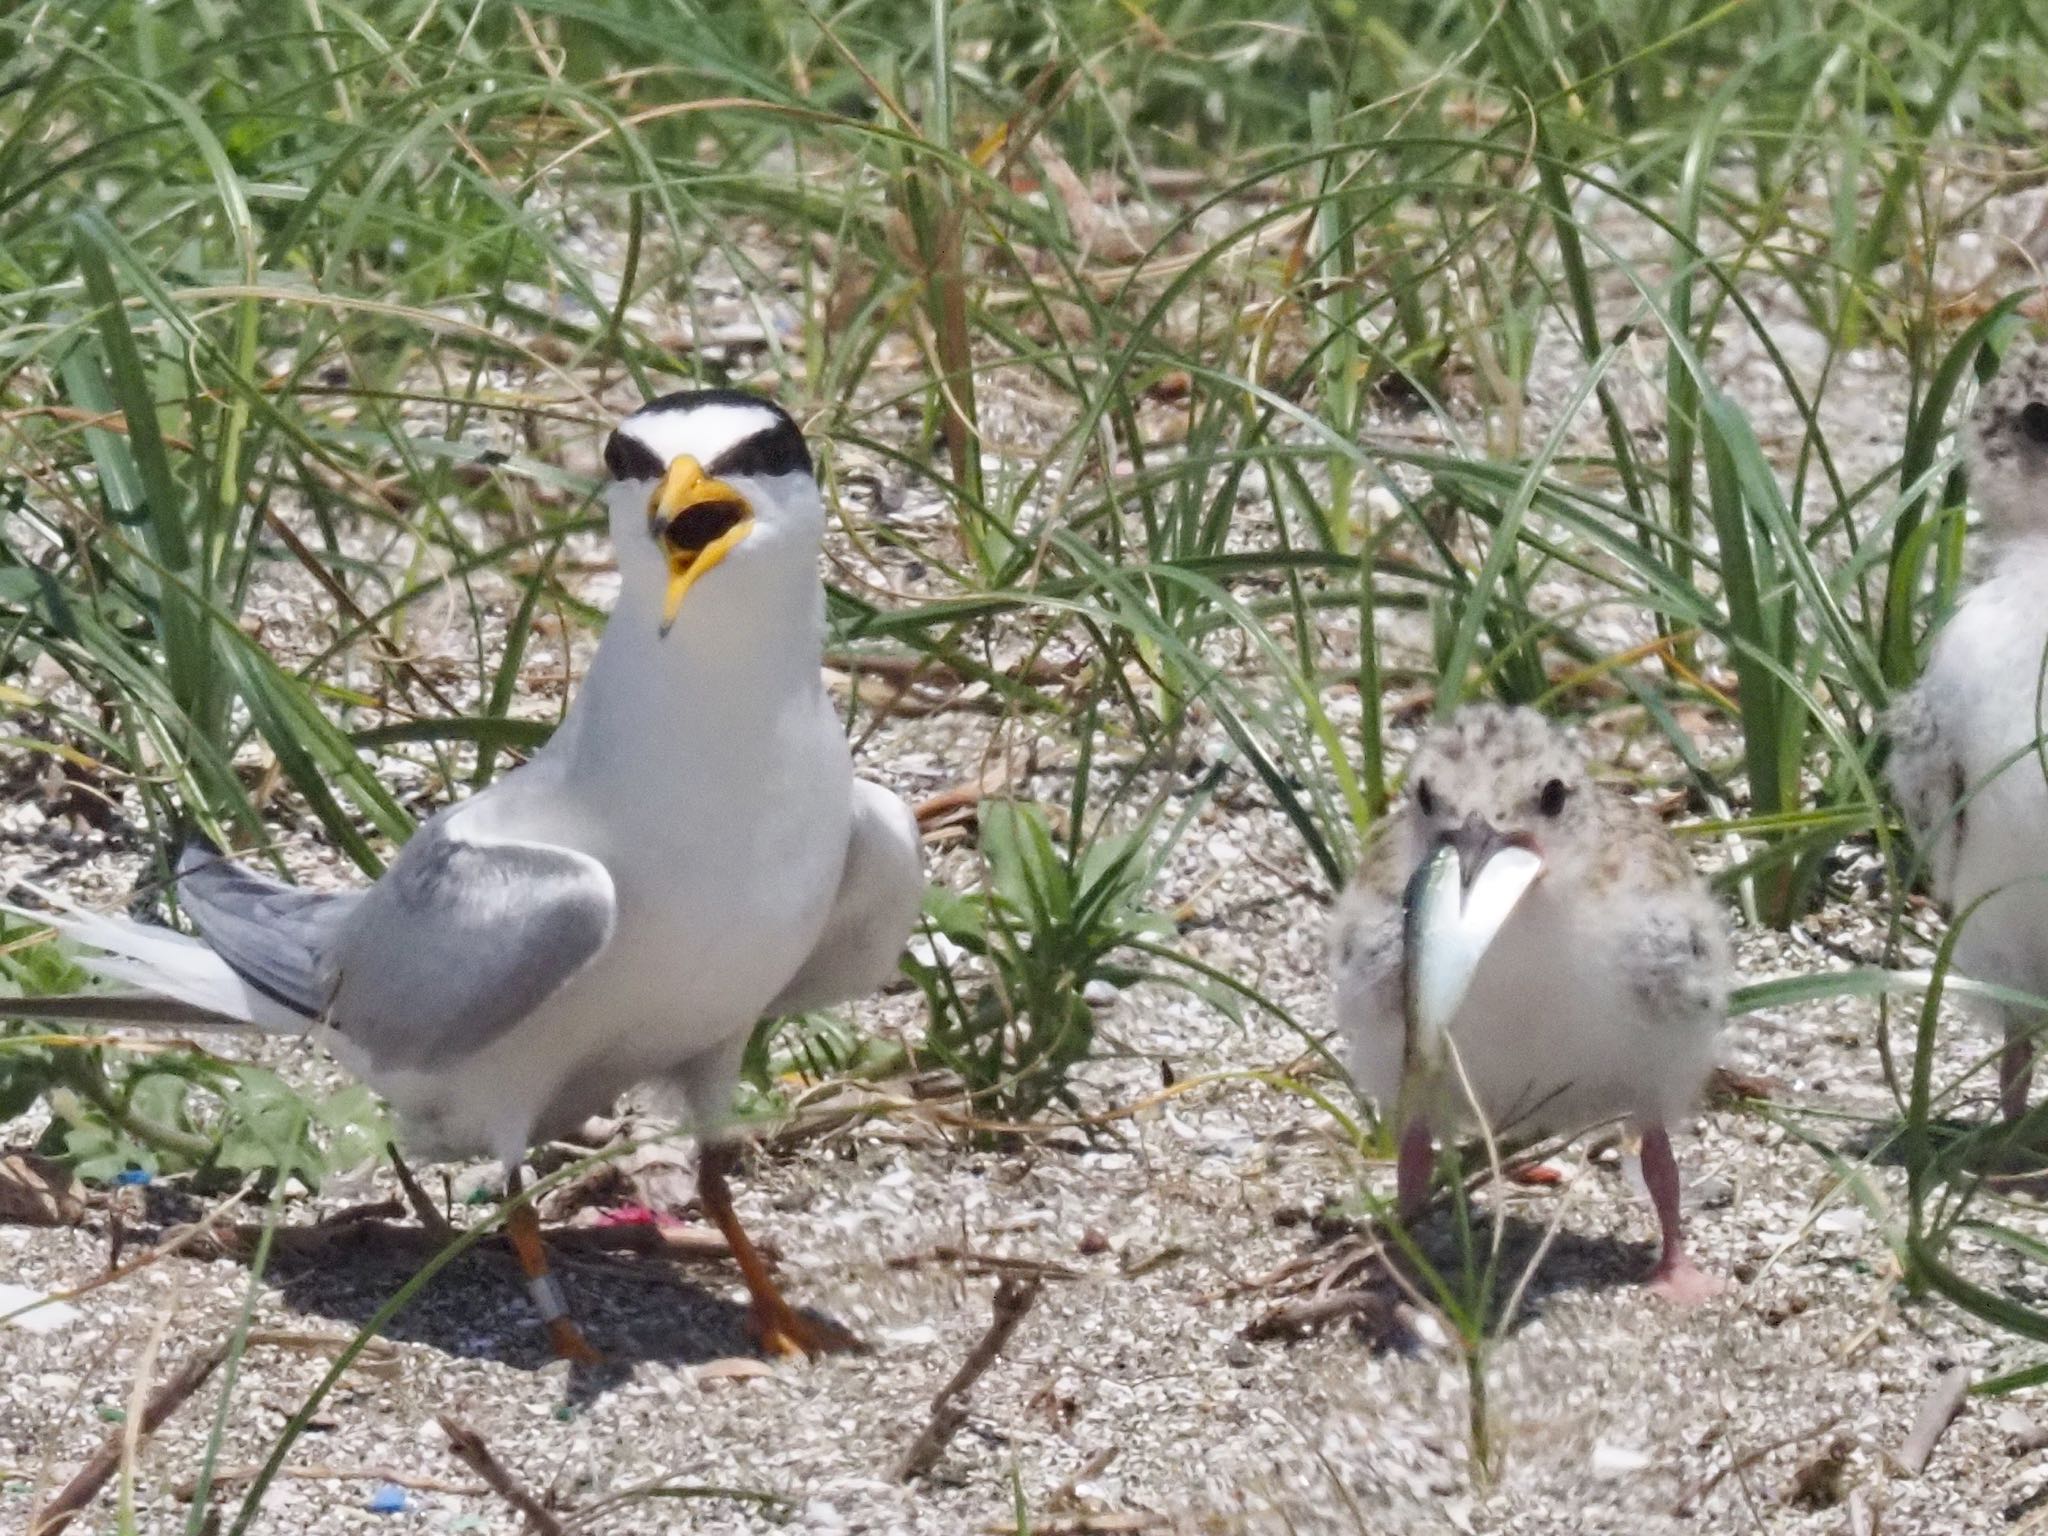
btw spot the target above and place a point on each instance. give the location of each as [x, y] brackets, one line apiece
[460, 940]
[880, 890]
[1929, 781]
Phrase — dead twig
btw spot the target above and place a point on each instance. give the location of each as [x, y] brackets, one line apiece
[1743, 1461]
[978, 1263]
[1015, 1296]
[424, 1210]
[238, 1240]
[90, 1478]
[1938, 1410]
[39, 1192]
[1372, 1311]
[968, 795]
[1729, 1088]
[225, 1477]
[470, 1450]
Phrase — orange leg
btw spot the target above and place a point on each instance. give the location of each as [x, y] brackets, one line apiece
[522, 1226]
[777, 1326]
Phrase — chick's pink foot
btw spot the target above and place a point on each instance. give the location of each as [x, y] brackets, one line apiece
[1676, 1278]
[1684, 1284]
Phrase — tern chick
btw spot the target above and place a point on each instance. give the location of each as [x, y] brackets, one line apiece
[1593, 992]
[1966, 762]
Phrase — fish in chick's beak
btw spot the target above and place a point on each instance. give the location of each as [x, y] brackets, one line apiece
[699, 521]
[1457, 901]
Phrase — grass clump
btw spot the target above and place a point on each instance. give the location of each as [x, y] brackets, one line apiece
[1247, 386]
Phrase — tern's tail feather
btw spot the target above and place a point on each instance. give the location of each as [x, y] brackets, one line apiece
[258, 959]
[274, 937]
[183, 984]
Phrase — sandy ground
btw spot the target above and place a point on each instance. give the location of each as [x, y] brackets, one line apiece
[1129, 1398]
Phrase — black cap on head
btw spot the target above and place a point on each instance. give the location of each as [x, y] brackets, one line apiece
[778, 448]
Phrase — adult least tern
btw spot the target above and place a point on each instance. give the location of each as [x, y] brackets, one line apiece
[689, 852]
[1966, 741]
[1525, 944]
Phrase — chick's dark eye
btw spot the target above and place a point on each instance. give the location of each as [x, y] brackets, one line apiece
[2034, 422]
[1550, 799]
[1425, 797]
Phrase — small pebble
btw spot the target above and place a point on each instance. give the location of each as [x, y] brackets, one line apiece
[387, 1499]
[1612, 1460]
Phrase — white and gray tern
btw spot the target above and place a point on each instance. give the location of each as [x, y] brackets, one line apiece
[689, 852]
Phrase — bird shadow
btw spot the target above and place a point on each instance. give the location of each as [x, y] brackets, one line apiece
[635, 1311]
[1364, 1281]
[476, 1307]
[1573, 1263]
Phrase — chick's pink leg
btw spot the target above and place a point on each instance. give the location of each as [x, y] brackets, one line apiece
[1413, 1164]
[1676, 1278]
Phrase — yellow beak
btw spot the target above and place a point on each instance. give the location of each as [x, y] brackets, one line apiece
[699, 522]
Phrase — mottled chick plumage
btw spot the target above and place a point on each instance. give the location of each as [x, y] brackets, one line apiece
[1964, 764]
[1602, 997]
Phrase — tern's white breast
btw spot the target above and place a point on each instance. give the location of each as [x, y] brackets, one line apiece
[723, 824]
[1554, 1035]
[1985, 686]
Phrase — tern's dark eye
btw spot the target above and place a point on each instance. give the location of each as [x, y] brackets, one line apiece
[2034, 422]
[694, 527]
[1425, 797]
[1550, 799]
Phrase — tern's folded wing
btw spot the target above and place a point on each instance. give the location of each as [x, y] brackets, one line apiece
[460, 941]
[880, 889]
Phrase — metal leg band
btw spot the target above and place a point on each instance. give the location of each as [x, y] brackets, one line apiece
[547, 1297]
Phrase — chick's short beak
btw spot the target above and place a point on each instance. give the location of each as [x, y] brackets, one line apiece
[699, 521]
[1477, 840]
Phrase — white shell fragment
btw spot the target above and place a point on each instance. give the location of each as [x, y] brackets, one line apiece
[1448, 930]
[45, 1316]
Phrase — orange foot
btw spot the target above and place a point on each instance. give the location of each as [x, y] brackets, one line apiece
[777, 1328]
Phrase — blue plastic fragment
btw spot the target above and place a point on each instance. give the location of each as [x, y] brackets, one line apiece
[128, 1177]
[388, 1499]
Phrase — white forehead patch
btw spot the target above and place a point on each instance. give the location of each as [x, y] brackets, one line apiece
[703, 432]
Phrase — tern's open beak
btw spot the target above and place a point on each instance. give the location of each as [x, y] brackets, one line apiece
[699, 522]
[1476, 842]
[1457, 902]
